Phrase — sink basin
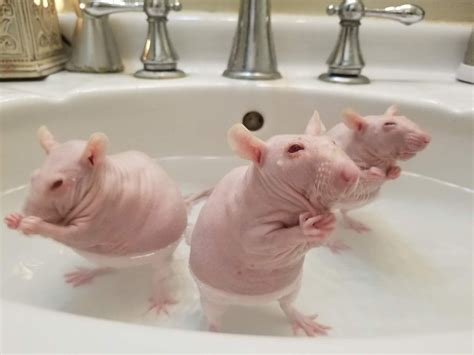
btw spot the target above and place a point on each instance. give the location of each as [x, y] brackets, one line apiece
[404, 286]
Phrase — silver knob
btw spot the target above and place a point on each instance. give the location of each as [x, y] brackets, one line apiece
[175, 6]
[161, 8]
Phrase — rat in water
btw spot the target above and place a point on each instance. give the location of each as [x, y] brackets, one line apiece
[249, 242]
[117, 211]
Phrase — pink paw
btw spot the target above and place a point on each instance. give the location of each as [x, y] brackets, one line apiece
[393, 172]
[29, 225]
[12, 220]
[308, 325]
[338, 246]
[317, 227]
[375, 174]
[161, 305]
[82, 276]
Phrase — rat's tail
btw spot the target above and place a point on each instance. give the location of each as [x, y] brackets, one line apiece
[190, 200]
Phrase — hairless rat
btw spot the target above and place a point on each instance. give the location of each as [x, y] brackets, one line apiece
[118, 211]
[249, 242]
[375, 144]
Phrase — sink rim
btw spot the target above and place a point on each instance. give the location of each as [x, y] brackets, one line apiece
[176, 340]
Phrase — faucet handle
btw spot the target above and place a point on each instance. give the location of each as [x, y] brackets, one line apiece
[346, 61]
[159, 57]
[407, 14]
[354, 10]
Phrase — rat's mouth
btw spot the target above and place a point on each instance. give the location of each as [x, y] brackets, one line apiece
[406, 155]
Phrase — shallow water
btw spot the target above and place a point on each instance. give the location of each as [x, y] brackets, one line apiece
[411, 274]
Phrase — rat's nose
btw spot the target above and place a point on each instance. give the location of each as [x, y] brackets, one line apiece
[423, 140]
[426, 138]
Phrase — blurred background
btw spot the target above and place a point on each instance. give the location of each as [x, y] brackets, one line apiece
[436, 10]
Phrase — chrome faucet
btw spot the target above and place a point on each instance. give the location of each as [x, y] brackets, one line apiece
[346, 61]
[253, 53]
[94, 49]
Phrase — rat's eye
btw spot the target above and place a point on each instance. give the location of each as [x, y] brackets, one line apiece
[295, 148]
[56, 185]
[390, 124]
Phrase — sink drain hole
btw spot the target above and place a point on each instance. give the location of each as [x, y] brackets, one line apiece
[253, 120]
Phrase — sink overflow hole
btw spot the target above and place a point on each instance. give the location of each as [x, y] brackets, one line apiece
[253, 120]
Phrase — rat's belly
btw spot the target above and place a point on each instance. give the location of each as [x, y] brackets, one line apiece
[225, 297]
[126, 261]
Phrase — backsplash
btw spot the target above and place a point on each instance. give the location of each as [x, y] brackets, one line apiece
[436, 10]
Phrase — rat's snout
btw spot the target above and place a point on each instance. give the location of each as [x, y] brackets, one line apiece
[417, 141]
[426, 138]
[35, 175]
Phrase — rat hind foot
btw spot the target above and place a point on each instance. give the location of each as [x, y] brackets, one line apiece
[306, 323]
[84, 275]
[354, 224]
[160, 305]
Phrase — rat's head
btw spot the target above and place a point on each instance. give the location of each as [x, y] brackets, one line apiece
[65, 174]
[311, 164]
[389, 136]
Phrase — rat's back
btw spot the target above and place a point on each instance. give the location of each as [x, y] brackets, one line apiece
[138, 209]
[213, 246]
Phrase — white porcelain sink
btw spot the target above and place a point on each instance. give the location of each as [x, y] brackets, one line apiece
[405, 286]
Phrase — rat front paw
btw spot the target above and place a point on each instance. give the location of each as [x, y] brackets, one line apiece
[375, 174]
[12, 220]
[393, 172]
[317, 227]
[30, 225]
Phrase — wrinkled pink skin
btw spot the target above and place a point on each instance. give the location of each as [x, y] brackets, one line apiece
[260, 220]
[375, 144]
[118, 205]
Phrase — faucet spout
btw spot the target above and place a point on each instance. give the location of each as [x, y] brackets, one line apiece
[253, 52]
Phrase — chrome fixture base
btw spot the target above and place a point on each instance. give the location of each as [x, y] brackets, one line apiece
[164, 74]
[95, 49]
[346, 61]
[339, 79]
[253, 52]
[248, 75]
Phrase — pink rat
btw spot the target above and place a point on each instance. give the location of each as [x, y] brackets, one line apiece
[249, 242]
[118, 211]
[375, 144]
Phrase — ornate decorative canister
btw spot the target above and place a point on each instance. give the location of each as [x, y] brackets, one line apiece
[30, 39]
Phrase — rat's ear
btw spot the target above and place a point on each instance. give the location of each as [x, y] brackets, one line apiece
[46, 139]
[353, 120]
[392, 110]
[245, 144]
[95, 150]
[315, 126]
